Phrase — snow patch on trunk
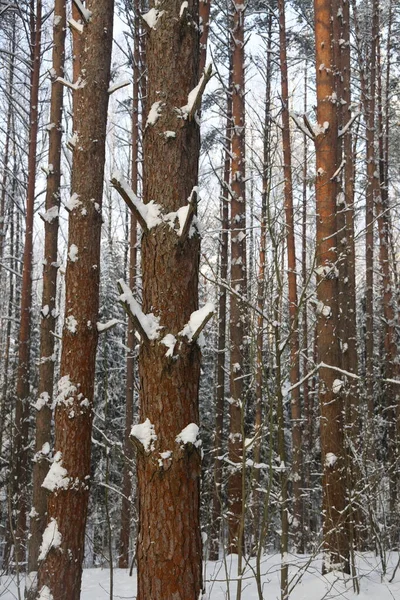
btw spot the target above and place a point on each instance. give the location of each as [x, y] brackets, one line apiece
[51, 539]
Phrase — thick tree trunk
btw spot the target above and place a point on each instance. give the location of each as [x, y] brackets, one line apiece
[169, 551]
[239, 286]
[48, 312]
[336, 543]
[60, 568]
[296, 474]
[126, 504]
[22, 391]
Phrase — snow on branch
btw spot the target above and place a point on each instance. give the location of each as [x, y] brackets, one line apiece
[152, 17]
[194, 98]
[75, 25]
[190, 212]
[148, 215]
[147, 325]
[118, 86]
[198, 320]
[103, 327]
[144, 434]
[343, 130]
[85, 13]
[80, 83]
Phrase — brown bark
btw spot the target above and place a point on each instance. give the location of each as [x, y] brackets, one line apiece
[204, 20]
[336, 544]
[169, 551]
[238, 284]
[260, 366]
[371, 197]
[126, 504]
[222, 305]
[61, 567]
[296, 474]
[23, 374]
[48, 313]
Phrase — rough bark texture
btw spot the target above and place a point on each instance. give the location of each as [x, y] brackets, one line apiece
[22, 388]
[169, 551]
[61, 569]
[336, 543]
[296, 475]
[238, 283]
[123, 561]
[48, 314]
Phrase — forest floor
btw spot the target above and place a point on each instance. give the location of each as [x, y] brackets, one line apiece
[307, 583]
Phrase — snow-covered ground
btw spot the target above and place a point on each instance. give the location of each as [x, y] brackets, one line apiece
[306, 584]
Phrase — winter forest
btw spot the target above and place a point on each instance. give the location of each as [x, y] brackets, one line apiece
[199, 299]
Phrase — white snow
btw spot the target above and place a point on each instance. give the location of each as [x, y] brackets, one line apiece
[188, 435]
[330, 459]
[145, 434]
[150, 323]
[73, 202]
[169, 134]
[192, 98]
[149, 212]
[66, 390]
[71, 323]
[154, 113]
[169, 341]
[57, 477]
[42, 400]
[104, 326]
[51, 539]
[73, 253]
[45, 593]
[184, 7]
[152, 17]
[197, 318]
[50, 214]
[117, 86]
[337, 386]
[304, 575]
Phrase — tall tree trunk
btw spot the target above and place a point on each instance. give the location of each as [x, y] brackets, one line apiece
[126, 503]
[48, 313]
[62, 549]
[260, 366]
[169, 551]
[220, 389]
[297, 523]
[238, 284]
[22, 391]
[336, 543]
[371, 197]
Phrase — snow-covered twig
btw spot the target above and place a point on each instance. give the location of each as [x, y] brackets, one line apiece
[189, 216]
[103, 327]
[130, 199]
[147, 325]
[344, 130]
[198, 320]
[195, 96]
[118, 86]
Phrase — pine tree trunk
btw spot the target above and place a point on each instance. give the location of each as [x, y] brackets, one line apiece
[48, 313]
[220, 389]
[336, 543]
[123, 561]
[297, 523]
[60, 568]
[23, 375]
[169, 551]
[238, 284]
